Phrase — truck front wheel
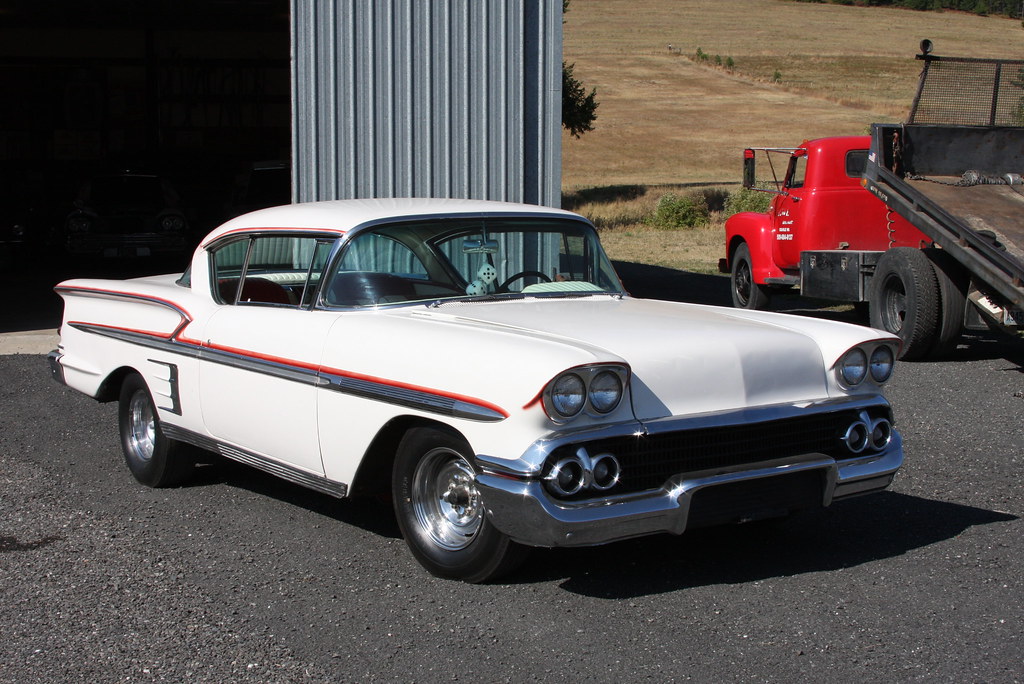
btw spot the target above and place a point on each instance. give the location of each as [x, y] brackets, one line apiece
[904, 298]
[746, 294]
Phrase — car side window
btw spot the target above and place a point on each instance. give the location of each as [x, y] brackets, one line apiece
[269, 270]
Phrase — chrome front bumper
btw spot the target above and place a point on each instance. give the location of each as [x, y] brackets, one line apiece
[523, 510]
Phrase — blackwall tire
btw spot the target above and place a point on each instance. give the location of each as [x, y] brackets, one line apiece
[153, 459]
[904, 296]
[746, 294]
[953, 281]
[440, 512]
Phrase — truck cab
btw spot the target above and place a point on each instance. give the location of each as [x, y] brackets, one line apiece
[821, 230]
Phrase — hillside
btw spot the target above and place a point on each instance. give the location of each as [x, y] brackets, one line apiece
[665, 119]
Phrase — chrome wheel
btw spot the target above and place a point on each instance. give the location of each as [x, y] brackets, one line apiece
[141, 426]
[445, 500]
[154, 460]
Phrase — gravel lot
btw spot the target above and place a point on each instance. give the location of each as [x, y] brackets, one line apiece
[241, 577]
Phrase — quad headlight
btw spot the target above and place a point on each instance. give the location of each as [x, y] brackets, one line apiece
[853, 367]
[883, 361]
[79, 223]
[875, 360]
[605, 391]
[568, 395]
[596, 390]
[172, 223]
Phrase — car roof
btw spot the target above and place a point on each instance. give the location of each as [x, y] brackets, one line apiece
[343, 216]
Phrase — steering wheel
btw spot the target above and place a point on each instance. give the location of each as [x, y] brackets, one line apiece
[522, 274]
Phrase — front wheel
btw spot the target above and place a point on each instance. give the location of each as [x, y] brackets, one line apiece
[746, 294]
[153, 459]
[441, 513]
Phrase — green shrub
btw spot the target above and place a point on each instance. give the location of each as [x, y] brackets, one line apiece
[681, 211]
[747, 200]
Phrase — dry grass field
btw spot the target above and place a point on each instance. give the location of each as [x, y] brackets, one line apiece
[667, 122]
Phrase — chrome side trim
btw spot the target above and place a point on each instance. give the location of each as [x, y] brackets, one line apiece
[410, 398]
[113, 294]
[281, 470]
[276, 369]
[142, 339]
[367, 389]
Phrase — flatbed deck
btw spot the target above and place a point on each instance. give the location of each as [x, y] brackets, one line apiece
[995, 208]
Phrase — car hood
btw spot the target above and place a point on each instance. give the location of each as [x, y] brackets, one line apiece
[685, 358]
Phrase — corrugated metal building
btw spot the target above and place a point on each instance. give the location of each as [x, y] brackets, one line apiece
[441, 98]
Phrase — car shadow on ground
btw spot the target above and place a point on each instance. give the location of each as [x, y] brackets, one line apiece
[367, 513]
[846, 535]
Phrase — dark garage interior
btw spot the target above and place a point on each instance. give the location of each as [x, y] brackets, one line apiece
[172, 107]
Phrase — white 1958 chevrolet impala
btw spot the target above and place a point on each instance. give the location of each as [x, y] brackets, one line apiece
[480, 362]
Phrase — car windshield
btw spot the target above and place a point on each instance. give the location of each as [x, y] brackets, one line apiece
[458, 258]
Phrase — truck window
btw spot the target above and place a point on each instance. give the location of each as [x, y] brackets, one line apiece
[856, 163]
[797, 171]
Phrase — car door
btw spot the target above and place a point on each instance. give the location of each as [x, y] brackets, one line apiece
[262, 349]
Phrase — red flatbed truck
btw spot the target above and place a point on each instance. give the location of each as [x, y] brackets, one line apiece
[923, 222]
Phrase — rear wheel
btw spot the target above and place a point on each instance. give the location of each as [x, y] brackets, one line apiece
[953, 281]
[441, 513]
[904, 296]
[154, 459]
[746, 294]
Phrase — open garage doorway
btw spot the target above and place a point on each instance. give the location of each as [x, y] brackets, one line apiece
[170, 105]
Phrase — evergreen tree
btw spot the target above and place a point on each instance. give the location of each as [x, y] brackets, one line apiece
[579, 108]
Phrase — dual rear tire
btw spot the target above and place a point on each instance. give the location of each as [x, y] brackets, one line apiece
[919, 295]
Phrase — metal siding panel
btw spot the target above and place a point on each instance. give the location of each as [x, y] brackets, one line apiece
[446, 98]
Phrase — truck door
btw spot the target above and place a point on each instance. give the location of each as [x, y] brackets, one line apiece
[788, 213]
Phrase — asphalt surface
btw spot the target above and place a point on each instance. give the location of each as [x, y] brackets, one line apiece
[241, 577]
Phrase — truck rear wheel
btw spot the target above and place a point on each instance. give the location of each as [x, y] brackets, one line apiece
[746, 294]
[904, 297]
[953, 281]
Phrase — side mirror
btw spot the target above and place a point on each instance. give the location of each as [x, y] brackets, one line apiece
[749, 175]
